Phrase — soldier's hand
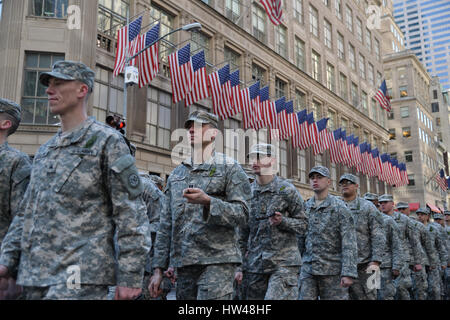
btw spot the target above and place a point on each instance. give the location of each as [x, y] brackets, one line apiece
[395, 273]
[155, 281]
[124, 293]
[238, 277]
[276, 219]
[443, 267]
[196, 196]
[417, 267]
[4, 277]
[170, 273]
[346, 282]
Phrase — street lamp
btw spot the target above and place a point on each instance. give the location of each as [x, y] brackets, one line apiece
[189, 27]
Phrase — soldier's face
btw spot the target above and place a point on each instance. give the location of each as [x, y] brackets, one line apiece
[405, 211]
[348, 188]
[64, 95]
[261, 164]
[422, 217]
[318, 182]
[440, 221]
[447, 219]
[386, 206]
[201, 133]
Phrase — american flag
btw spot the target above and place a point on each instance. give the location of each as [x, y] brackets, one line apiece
[181, 73]
[396, 172]
[335, 148]
[350, 151]
[312, 129]
[404, 174]
[322, 141]
[248, 95]
[357, 152]
[441, 180]
[199, 88]
[126, 35]
[377, 162]
[384, 167]
[268, 109]
[149, 59]
[220, 85]
[274, 10]
[344, 148]
[291, 117]
[279, 105]
[298, 138]
[235, 93]
[382, 97]
[263, 98]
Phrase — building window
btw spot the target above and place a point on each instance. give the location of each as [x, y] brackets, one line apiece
[331, 79]
[364, 102]
[344, 124]
[233, 10]
[340, 47]
[259, 23]
[349, 18]
[390, 115]
[406, 131]
[362, 67]
[259, 74]
[374, 110]
[283, 159]
[377, 49]
[327, 31]
[378, 78]
[343, 86]
[280, 88]
[281, 41]
[231, 147]
[300, 99]
[393, 155]
[199, 42]
[300, 54]
[111, 16]
[316, 109]
[355, 98]
[49, 9]
[159, 107]
[331, 119]
[352, 55]
[107, 94]
[371, 74]
[392, 134]
[233, 58]
[35, 108]
[333, 173]
[359, 34]
[401, 73]
[298, 10]
[338, 8]
[403, 91]
[411, 180]
[368, 40]
[435, 107]
[301, 160]
[438, 122]
[408, 156]
[316, 67]
[313, 21]
[404, 112]
[167, 25]
[435, 95]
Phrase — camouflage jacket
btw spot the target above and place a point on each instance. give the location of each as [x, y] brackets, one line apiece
[369, 230]
[408, 238]
[447, 235]
[267, 247]
[83, 186]
[330, 246]
[393, 256]
[190, 233]
[154, 200]
[15, 167]
[429, 254]
[439, 241]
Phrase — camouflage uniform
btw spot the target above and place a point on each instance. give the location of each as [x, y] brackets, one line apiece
[434, 277]
[330, 249]
[447, 270]
[203, 244]
[272, 256]
[83, 184]
[392, 259]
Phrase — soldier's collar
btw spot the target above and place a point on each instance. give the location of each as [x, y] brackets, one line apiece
[201, 166]
[271, 186]
[74, 136]
[325, 203]
[4, 146]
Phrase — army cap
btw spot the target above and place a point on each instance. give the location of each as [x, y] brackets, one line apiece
[402, 205]
[202, 117]
[262, 148]
[11, 108]
[320, 170]
[422, 210]
[438, 216]
[446, 212]
[385, 198]
[350, 177]
[370, 196]
[69, 70]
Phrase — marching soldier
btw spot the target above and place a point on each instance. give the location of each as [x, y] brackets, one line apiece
[441, 247]
[269, 241]
[83, 185]
[372, 197]
[330, 251]
[206, 201]
[369, 234]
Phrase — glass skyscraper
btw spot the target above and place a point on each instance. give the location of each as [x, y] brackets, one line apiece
[426, 26]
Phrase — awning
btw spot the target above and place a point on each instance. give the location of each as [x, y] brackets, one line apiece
[433, 208]
[442, 209]
[413, 206]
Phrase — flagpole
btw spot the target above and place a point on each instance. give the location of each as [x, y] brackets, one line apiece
[125, 96]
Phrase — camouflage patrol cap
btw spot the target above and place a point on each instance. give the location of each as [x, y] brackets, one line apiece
[438, 216]
[69, 70]
[385, 198]
[370, 196]
[262, 148]
[11, 108]
[202, 117]
[156, 179]
[320, 170]
[350, 177]
[402, 205]
[422, 210]
[446, 212]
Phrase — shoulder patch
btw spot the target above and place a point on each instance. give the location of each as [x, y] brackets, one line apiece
[90, 142]
[213, 170]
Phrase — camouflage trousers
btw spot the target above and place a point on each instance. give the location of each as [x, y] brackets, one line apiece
[323, 287]
[282, 284]
[434, 284]
[403, 283]
[420, 284]
[387, 288]
[62, 292]
[205, 282]
[360, 290]
[447, 283]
